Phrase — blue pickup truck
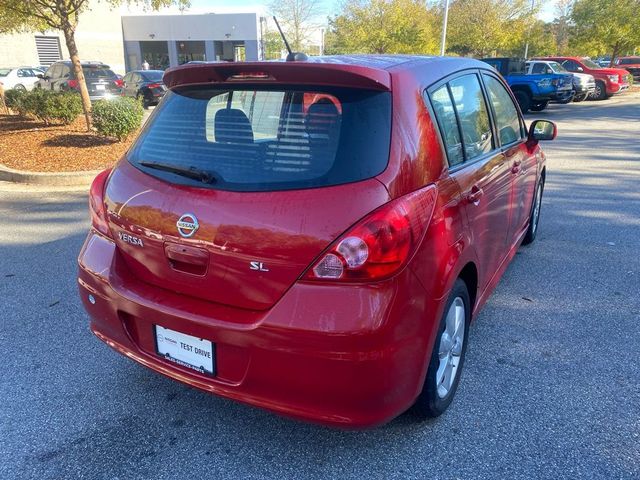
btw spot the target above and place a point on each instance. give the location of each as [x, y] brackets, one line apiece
[533, 92]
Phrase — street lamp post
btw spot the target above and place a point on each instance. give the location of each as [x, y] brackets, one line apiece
[445, 18]
[526, 46]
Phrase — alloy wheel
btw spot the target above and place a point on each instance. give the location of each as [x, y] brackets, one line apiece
[536, 208]
[450, 348]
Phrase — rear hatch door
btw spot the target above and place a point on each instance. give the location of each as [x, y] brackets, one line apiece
[287, 171]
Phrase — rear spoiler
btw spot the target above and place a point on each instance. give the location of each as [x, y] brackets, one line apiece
[297, 73]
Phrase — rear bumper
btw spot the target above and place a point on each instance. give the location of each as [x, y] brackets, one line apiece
[104, 96]
[352, 356]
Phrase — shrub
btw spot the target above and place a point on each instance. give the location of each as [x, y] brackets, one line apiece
[118, 117]
[60, 107]
[45, 105]
[14, 100]
[32, 102]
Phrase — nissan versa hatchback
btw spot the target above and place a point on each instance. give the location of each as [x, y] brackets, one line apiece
[314, 237]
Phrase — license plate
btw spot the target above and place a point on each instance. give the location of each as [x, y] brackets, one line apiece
[100, 86]
[185, 350]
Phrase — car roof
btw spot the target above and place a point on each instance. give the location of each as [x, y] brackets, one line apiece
[88, 63]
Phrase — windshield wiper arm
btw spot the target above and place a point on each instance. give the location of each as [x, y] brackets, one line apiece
[189, 172]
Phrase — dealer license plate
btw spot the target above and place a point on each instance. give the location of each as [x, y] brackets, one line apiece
[185, 350]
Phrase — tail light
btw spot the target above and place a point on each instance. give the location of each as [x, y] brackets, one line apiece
[96, 203]
[73, 84]
[118, 82]
[154, 85]
[381, 243]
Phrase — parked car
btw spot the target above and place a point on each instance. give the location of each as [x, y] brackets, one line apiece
[609, 81]
[533, 92]
[20, 78]
[630, 64]
[325, 265]
[101, 81]
[145, 85]
[583, 84]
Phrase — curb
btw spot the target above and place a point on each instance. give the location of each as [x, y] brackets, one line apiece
[69, 179]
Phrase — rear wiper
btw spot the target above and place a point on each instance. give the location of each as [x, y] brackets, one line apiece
[189, 172]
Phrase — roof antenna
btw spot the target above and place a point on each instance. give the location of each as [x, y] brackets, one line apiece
[292, 56]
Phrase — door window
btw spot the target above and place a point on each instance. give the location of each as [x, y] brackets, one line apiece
[473, 116]
[446, 117]
[570, 65]
[55, 71]
[65, 71]
[506, 114]
[539, 68]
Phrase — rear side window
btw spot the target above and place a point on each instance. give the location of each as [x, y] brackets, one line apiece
[267, 139]
[446, 116]
[506, 114]
[472, 115]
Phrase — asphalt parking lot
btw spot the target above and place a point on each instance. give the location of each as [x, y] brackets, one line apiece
[551, 387]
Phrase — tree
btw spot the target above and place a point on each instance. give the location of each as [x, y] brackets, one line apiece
[296, 19]
[611, 26]
[63, 15]
[383, 26]
[273, 44]
[481, 27]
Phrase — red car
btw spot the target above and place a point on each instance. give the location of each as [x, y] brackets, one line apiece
[609, 81]
[632, 65]
[322, 261]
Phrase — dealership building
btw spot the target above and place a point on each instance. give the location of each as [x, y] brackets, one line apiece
[124, 40]
[169, 40]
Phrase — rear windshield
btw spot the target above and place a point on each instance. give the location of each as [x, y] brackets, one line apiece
[266, 140]
[153, 75]
[98, 72]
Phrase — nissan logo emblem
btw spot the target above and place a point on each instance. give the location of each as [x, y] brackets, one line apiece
[187, 225]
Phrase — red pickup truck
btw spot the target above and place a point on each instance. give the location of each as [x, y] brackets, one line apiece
[609, 81]
[631, 64]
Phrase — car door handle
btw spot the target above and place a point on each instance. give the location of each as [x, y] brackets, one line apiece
[474, 195]
[516, 166]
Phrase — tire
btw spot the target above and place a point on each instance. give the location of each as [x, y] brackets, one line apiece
[534, 216]
[523, 99]
[435, 398]
[538, 107]
[581, 97]
[20, 87]
[564, 101]
[600, 93]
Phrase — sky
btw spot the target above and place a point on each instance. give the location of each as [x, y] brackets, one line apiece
[327, 7]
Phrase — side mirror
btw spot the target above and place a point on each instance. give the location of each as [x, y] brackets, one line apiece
[542, 130]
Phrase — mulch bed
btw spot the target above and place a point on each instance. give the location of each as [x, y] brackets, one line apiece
[27, 144]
